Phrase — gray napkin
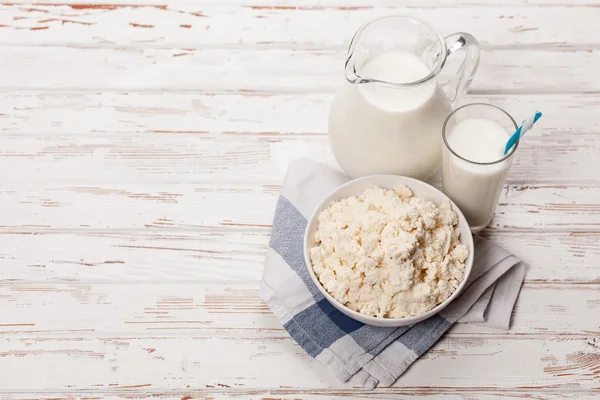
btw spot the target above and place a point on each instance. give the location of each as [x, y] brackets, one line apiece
[367, 354]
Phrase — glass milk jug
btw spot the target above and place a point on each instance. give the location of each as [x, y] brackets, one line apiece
[388, 117]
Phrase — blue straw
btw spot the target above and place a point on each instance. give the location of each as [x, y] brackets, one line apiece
[521, 131]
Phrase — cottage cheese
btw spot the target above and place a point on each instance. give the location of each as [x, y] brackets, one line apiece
[388, 254]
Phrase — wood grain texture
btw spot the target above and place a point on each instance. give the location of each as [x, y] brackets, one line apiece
[206, 207]
[235, 310]
[156, 138]
[163, 361]
[229, 159]
[142, 149]
[198, 24]
[265, 70]
[319, 394]
[232, 254]
[269, 114]
[294, 4]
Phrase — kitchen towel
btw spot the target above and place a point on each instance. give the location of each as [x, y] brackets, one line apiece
[368, 355]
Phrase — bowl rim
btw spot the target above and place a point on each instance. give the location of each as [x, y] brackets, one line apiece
[388, 321]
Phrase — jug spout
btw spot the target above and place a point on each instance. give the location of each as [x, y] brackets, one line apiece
[350, 71]
[358, 55]
[415, 53]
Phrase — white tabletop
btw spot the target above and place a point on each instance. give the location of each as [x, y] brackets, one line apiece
[142, 150]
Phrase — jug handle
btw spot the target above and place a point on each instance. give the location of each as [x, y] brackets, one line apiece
[458, 86]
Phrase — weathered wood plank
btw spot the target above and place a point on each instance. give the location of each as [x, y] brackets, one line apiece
[173, 207]
[231, 254]
[393, 393]
[181, 362]
[553, 256]
[316, 4]
[197, 24]
[188, 137]
[143, 69]
[130, 256]
[243, 113]
[234, 310]
[108, 161]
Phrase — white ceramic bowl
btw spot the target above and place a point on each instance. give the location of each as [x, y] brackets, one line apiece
[420, 189]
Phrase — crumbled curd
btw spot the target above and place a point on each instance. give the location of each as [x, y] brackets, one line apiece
[388, 254]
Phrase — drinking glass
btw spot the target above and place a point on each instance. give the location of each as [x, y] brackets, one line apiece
[475, 187]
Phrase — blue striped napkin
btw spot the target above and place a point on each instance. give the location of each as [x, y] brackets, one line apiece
[367, 355]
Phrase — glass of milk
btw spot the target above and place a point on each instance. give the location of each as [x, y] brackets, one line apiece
[474, 164]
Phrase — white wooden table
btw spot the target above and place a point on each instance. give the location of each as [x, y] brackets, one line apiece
[142, 150]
